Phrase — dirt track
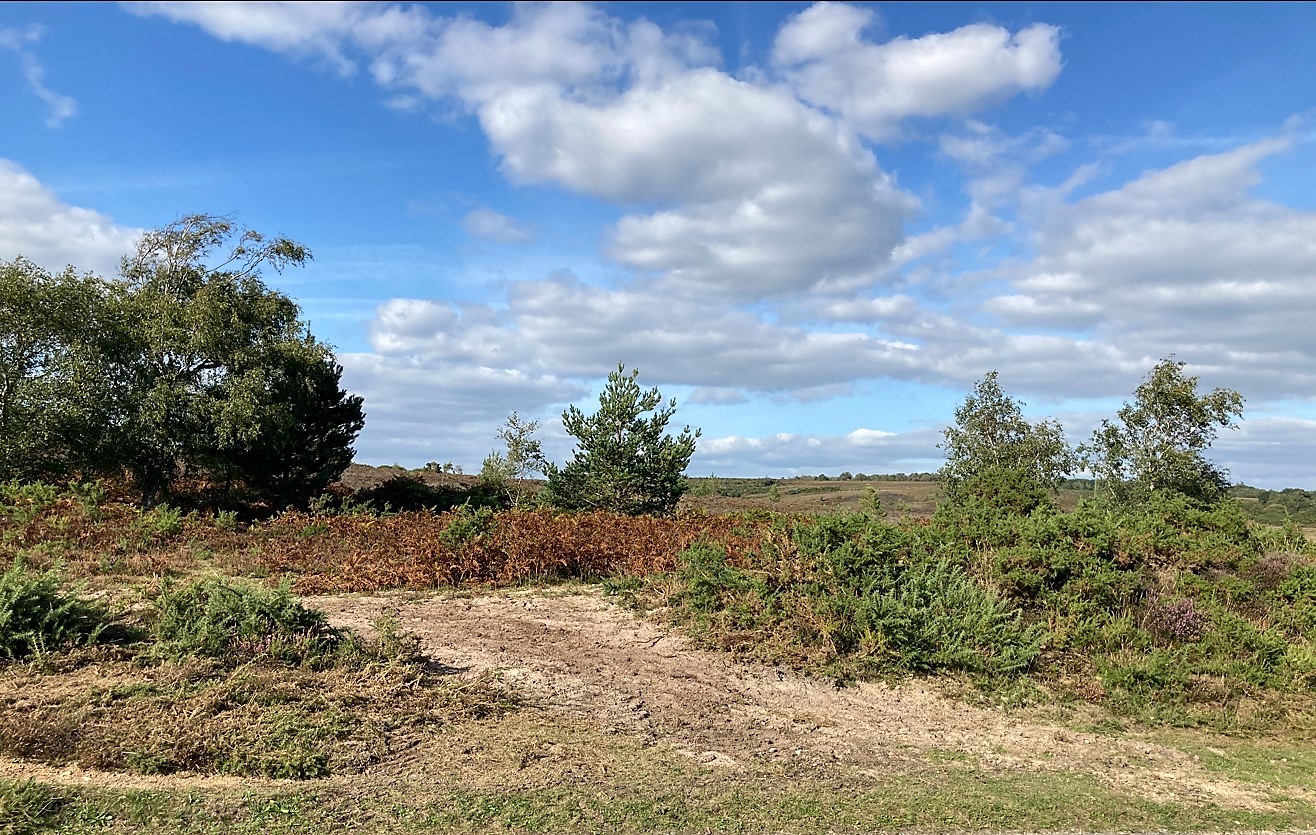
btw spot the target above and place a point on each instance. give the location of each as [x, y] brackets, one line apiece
[581, 657]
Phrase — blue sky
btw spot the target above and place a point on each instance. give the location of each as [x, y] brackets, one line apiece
[816, 226]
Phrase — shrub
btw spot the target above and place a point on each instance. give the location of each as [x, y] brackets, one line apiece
[467, 523]
[852, 595]
[231, 620]
[707, 576]
[938, 618]
[23, 502]
[1175, 620]
[404, 493]
[37, 614]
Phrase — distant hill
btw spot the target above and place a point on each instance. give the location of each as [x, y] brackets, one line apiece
[1277, 506]
[913, 493]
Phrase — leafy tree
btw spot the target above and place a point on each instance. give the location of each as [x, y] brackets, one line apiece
[215, 372]
[995, 455]
[188, 364]
[623, 461]
[40, 316]
[507, 472]
[1156, 444]
[305, 435]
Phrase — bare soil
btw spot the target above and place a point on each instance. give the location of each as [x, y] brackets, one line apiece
[579, 658]
[614, 698]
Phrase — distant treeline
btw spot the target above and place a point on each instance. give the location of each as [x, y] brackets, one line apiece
[1273, 507]
[847, 476]
[1277, 506]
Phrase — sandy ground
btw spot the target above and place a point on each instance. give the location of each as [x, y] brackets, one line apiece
[607, 688]
[582, 656]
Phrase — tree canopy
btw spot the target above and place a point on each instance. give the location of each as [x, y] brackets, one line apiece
[187, 365]
[41, 316]
[1156, 443]
[623, 462]
[996, 455]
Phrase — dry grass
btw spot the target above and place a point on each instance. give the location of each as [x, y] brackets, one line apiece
[355, 552]
[106, 711]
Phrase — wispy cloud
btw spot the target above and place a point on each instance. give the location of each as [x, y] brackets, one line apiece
[60, 108]
[489, 225]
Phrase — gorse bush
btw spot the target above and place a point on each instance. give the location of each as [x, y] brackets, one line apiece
[239, 620]
[1172, 609]
[20, 502]
[37, 613]
[851, 595]
[467, 522]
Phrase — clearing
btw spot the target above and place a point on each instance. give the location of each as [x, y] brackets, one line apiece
[627, 725]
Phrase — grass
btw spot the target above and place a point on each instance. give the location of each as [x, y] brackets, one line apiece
[1277, 762]
[237, 679]
[1176, 619]
[256, 720]
[29, 807]
[680, 798]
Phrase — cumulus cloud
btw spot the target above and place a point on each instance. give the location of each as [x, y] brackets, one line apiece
[1182, 260]
[756, 193]
[35, 223]
[567, 327]
[424, 409]
[757, 218]
[874, 86]
[297, 28]
[61, 108]
[488, 225]
[862, 450]
[566, 96]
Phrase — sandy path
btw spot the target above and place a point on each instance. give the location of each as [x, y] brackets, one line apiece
[580, 654]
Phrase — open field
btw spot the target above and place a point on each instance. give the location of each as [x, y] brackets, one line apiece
[625, 726]
[488, 689]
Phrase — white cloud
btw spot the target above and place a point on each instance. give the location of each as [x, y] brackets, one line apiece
[863, 450]
[565, 327]
[61, 108]
[757, 218]
[717, 396]
[756, 194]
[489, 225]
[421, 410]
[981, 147]
[35, 223]
[876, 86]
[296, 28]
[1268, 452]
[1181, 260]
[769, 196]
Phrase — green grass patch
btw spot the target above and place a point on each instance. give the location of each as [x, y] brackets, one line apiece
[39, 613]
[235, 620]
[955, 798]
[1279, 762]
[29, 807]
